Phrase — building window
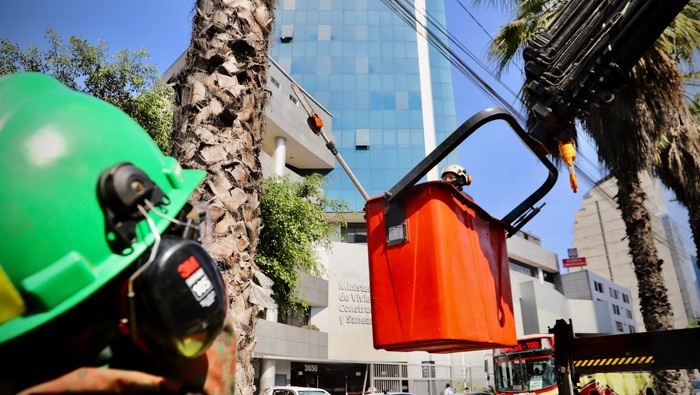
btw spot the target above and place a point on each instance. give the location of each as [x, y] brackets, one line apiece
[614, 293]
[616, 309]
[275, 82]
[629, 313]
[294, 99]
[598, 286]
[354, 233]
[324, 32]
[296, 317]
[428, 370]
[632, 330]
[625, 298]
[548, 277]
[619, 326]
[287, 33]
[362, 139]
[523, 268]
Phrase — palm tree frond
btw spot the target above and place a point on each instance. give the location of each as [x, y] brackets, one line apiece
[682, 37]
[502, 4]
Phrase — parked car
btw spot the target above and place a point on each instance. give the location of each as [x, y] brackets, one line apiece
[696, 386]
[291, 390]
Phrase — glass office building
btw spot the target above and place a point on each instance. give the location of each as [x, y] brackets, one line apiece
[389, 92]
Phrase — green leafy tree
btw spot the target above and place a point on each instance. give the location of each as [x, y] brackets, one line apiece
[294, 227]
[124, 79]
[692, 93]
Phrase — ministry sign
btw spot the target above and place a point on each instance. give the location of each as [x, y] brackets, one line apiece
[574, 262]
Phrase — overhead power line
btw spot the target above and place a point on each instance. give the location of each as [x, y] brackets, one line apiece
[475, 20]
[407, 12]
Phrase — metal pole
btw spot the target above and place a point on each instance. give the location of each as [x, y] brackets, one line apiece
[471, 382]
[316, 124]
[331, 147]
[563, 335]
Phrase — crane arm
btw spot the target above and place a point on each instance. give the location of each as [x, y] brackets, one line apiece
[584, 56]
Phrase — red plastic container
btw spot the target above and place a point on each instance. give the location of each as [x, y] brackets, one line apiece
[447, 287]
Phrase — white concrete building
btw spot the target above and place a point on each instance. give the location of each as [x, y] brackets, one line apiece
[600, 237]
[586, 285]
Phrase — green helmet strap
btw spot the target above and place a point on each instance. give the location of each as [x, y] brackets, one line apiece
[121, 189]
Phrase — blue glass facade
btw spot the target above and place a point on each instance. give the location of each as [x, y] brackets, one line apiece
[360, 61]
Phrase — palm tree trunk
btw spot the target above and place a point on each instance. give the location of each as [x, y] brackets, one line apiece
[679, 168]
[653, 296]
[221, 92]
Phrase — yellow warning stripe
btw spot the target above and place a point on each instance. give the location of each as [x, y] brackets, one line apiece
[614, 361]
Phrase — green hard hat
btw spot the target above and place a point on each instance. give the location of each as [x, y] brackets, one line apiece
[54, 145]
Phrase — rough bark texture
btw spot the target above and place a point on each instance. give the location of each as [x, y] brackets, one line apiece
[678, 165]
[653, 295]
[221, 93]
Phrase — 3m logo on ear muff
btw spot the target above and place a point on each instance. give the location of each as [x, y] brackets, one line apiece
[200, 285]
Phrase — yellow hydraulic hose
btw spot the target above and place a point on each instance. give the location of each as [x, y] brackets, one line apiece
[568, 155]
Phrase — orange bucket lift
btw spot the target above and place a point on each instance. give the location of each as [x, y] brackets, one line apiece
[417, 303]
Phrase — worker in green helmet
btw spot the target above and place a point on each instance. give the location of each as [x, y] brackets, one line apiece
[104, 283]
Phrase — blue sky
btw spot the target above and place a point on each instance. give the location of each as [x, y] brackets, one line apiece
[503, 172]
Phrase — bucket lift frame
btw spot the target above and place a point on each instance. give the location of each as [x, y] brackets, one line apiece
[514, 220]
[412, 267]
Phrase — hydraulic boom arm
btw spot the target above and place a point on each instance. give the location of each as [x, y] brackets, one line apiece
[584, 56]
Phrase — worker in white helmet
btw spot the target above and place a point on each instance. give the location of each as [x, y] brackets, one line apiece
[457, 176]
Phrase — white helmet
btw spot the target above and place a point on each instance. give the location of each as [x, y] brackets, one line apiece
[463, 178]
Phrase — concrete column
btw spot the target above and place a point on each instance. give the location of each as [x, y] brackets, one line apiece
[267, 374]
[540, 275]
[271, 314]
[267, 366]
[280, 155]
[426, 87]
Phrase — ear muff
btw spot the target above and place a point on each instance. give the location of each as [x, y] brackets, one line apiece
[180, 300]
[469, 180]
[176, 300]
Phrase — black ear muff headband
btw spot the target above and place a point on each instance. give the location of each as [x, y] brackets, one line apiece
[120, 189]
